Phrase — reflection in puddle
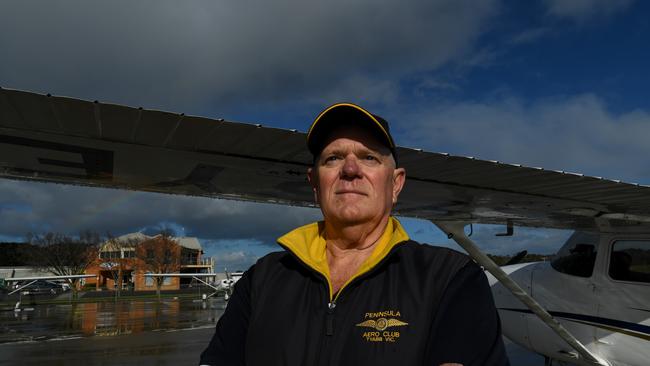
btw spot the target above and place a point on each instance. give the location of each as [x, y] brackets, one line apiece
[107, 318]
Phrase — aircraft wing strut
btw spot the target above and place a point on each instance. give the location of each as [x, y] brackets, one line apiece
[195, 276]
[456, 232]
[33, 279]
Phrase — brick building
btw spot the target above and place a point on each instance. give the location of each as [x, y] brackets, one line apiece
[127, 258]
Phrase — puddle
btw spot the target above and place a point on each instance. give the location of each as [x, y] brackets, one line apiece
[63, 321]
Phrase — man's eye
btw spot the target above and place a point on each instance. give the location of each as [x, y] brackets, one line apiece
[370, 157]
[331, 158]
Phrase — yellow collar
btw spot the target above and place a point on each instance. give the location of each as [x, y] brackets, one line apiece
[308, 244]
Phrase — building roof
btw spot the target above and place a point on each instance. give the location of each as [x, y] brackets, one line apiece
[138, 237]
[189, 242]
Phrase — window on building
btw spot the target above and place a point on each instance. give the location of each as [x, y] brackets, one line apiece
[150, 254]
[578, 255]
[630, 261]
[129, 254]
[167, 281]
[189, 256]
[109, 255]
[148, 281]
[167, 258]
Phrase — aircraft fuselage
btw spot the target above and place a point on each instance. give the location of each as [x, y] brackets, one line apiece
[598, 287]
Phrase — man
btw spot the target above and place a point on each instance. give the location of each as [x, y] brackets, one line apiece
[353, 289]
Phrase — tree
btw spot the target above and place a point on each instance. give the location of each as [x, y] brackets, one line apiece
[64, 255]
[160, 254]
[117, 255]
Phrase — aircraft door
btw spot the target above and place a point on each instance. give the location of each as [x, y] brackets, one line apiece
[514, 316]
[565, 288]
[623, 322]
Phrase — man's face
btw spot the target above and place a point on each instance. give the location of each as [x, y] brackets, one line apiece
[354, 178]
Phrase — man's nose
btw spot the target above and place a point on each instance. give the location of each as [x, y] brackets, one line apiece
[351, 168]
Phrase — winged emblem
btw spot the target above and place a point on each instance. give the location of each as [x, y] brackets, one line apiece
[382, 323]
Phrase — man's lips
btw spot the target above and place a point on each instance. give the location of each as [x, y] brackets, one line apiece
[350, 191]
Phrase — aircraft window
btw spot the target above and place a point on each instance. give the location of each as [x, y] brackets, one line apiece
[630, 261]
[578, 255]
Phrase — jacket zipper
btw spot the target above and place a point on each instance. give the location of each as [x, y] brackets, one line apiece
[331, 304]
[329, 327]
[329, 319]
[331, 307]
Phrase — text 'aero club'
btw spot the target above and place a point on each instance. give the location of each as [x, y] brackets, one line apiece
[585, 317]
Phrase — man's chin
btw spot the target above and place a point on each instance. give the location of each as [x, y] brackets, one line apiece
[351, 218]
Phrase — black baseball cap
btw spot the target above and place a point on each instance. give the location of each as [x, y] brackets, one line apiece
[345, 114]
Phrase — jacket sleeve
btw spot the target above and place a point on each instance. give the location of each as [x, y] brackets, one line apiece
[227, 347]
[466, 328]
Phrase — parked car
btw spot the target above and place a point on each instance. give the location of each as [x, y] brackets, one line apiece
[42, 287]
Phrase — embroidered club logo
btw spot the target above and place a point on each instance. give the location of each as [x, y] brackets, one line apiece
[380, 322]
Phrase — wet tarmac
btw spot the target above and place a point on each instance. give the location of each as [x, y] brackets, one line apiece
[151, 332]
[160, 348]
[143, 332]
[108, 318]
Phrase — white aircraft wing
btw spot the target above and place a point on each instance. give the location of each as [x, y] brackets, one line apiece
[196, 276]
[46, 278]
[71, 141]
[190, 275]
[33, 279]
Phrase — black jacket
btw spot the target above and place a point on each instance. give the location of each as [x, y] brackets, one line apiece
[414, 305]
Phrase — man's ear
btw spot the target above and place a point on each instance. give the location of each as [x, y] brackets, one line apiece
[399, 178]
[313, 182]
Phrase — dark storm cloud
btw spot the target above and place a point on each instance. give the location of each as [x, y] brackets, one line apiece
[176, 55]
[212, 55]
[36, 207]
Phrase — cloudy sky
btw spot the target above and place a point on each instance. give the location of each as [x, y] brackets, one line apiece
[559, 84]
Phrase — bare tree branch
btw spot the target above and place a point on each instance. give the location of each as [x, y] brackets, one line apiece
[160, 254]
[117, 255]
[64, 255]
